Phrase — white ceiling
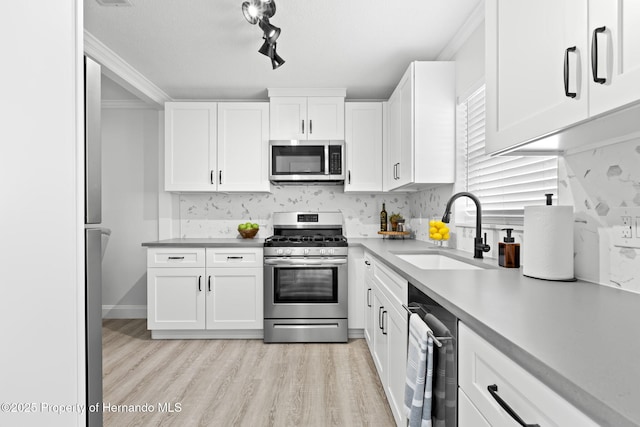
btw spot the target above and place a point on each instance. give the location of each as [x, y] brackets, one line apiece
[205, 49]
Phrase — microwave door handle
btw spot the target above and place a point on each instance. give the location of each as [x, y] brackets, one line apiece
[326, 159]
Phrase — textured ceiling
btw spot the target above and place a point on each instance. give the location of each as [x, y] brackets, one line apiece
[205, 49]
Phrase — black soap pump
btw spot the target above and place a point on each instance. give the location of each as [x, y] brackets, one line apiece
[509, 251]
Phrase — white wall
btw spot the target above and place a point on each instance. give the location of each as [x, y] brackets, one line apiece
[42, 240]
[129, 206]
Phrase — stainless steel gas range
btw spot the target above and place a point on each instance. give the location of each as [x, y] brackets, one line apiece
[305, 278]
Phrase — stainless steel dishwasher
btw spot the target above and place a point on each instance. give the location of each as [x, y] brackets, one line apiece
[445, 373]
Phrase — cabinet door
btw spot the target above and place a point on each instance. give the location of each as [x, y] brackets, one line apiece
[395, 325]
[243, 146]
[468, 415]
[369, 319]
[404, 170]
[618, 53]
[325, 115]
[288, 117]
[175, 298]
[234, 298]
[363, 138]
[380, 341]
[355, 272]
[392, 142]
[190, 146]
[526, 43]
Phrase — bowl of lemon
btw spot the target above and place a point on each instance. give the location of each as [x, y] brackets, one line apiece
[248, 230]
[438, 230]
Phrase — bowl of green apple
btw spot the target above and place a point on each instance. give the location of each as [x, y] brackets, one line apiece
[248, 230]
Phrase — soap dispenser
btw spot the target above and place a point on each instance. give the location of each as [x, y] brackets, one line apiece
[509, 251]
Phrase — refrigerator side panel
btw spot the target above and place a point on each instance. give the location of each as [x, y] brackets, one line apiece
[93, 143]
[93, 315]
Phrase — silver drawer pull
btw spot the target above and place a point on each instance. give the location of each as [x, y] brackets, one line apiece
[234, 257]
[177, 257]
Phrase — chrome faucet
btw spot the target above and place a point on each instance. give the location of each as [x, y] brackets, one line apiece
[479, 245]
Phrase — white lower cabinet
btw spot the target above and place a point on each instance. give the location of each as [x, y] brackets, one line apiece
[221, 289]
[468, 415]
[387, 331]
[234, 298]
[482, 367]
[175, 298]
[369, 309]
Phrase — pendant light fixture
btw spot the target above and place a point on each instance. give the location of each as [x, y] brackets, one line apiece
[259, 12]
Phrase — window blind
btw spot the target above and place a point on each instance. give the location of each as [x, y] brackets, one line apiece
[506, 184]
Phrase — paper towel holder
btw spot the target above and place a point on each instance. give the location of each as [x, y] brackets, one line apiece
[572, 279]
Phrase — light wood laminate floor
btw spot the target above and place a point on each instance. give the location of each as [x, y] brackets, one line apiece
[236, 382]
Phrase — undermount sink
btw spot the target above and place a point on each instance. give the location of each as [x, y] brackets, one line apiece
[436, 262]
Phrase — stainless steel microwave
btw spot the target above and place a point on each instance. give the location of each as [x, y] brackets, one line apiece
[296, 161]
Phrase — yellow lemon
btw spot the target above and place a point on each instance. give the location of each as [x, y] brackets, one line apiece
[445, 236]
[433, 230]
[432, 223]
[439, 224]
[437, 236]
[443, 230]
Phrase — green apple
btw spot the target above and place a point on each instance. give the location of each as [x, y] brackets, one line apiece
[242, 227]
[254, 225]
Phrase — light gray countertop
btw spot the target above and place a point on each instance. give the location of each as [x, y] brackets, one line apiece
[581, 339]
[206, 243]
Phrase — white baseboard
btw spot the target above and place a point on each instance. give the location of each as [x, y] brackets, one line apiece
[124, 311]
[183, 334]
[356, 333]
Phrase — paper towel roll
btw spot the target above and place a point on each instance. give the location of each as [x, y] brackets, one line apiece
[548, 242]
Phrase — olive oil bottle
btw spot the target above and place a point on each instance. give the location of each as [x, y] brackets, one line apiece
[383, 219]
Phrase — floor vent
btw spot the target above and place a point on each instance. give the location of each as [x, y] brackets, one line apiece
[114, 2]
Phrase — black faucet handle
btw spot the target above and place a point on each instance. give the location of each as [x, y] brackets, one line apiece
[485, 247]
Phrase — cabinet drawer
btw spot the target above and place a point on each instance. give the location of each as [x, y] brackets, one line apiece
[392, 283]
[234, 257]
[481, 365]
[175, 257]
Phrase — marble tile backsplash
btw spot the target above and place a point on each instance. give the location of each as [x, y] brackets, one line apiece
[216, 215]
[595, 182]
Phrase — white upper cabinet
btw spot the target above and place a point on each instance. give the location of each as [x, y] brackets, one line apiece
[216, 146]
[243, 146]
[616, 25]
[190, 146]
[527, 43]
[363, 139]
[540, 64]
[314, 114]
[420, 145]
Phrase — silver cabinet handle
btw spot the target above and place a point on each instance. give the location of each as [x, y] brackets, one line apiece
[176, 257]
[349, 177]
[234, 257]
[220, 176]
[368, 297]
[211, 177]
[310, 126]
[209, 283]
[303, 126]
[199, 283]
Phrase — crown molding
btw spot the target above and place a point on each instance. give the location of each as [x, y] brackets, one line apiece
[126, 104]
[118, 70]
[469, 27]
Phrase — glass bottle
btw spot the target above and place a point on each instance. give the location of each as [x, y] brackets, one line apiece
[383, 219]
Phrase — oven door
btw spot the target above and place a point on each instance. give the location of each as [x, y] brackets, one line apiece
[305, 288]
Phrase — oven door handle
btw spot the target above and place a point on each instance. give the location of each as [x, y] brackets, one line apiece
[305, 262]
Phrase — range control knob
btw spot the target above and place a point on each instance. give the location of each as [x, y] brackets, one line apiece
[330, 251]
[288, 252]
[279, 251]
[307, 251]
[322, 251]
